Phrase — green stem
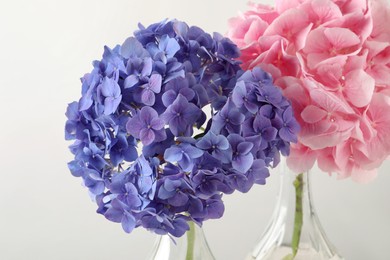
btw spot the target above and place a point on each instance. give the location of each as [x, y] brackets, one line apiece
[298, 220]
[190, 241]
[298, 184]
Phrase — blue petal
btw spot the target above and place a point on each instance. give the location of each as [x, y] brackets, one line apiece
[286, 135]
[205, 142]
[180, 227]
[147, 97]
[178, 200]
[130, 154]
[173, 154]
[192, 151]
[171, 185]
[111, 104]
[131, 81]
[244, 147]
[239, 93]
[114, 214]
[155, 83]
[222, 142]
[168, 97]
[86, 101]
[133, 48]
[116, 158]
[165, 194]
[76, 168]
[153, 49]
[172, 47]
[215, 209]
[72, 111]
[186, 163]
[269, 133]
[128, 223]
[242, 163]
[147, 68]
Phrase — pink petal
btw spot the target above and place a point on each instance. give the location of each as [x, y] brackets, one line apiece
[238, 27]
[341, 39]
[376, 47]
[344, 173]
[295, 92]
[265, 12]
[330, 71]
[290, 25]
[359, 88]
[319, 128]
[379, 118]
[348, 6]
[321, 11]
[378, 111]
[268, 41]
[301, 158]
[363, 176]
[380, 14]
[365, 132]
[255, 30]
[359, 23]
[383, 57]
[325, 140]
[287, 64]
[347, 123]
[378, 151]
[282, 5]
[342, 154]
[330, 102]
[303, 65]
[300, 39]
[326, 160]
[362, 157]
[317, 42]
[250, 53]
[356, 62]
[313, 59]
[381, 74]
[313, 114]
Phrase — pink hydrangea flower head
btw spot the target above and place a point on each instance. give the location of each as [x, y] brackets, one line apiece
[331, 58]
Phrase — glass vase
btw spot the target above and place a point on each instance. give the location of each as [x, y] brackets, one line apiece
[191, 246]
[295, 231]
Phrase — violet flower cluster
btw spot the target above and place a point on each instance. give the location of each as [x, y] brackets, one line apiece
[138, 145]
[251, 131]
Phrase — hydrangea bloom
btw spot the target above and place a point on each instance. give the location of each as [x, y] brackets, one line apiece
[255, 143]
[331, 58]
[148, 93]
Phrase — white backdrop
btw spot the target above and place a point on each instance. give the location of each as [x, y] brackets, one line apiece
[45, 214]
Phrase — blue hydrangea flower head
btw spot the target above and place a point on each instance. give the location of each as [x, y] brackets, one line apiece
[143, 144]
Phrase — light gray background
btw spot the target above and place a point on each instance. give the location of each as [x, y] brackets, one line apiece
[45, 214]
